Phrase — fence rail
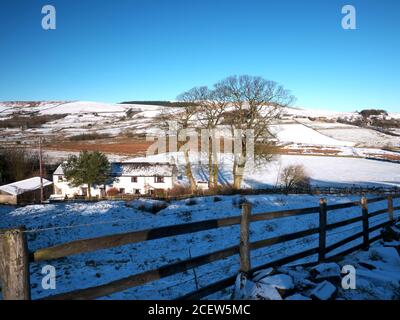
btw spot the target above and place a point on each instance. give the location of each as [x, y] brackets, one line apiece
[15, 277]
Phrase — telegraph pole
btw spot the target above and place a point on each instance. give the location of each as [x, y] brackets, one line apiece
[41, 170]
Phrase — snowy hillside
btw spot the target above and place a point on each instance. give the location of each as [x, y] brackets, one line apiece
[67, 119]
[299, 133]
[74, 118]
[329, 114]
[120, 130]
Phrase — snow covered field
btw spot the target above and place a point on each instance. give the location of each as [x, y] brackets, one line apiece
[362, 137]
[328, 171]
[298, 133]
[58, 223]
[323, 171]
[332, 134]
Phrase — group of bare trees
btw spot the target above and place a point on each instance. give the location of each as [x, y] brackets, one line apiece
[295, 177]
[17, 164]
[244, 106]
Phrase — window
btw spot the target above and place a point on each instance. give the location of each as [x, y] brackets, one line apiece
[134, 179]
[159, 179]
[60, 179]
[122, 190]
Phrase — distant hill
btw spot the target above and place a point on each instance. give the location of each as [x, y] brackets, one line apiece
[21, 122]
[158, 103]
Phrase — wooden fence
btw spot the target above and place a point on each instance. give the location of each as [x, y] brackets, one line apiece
[15, 258]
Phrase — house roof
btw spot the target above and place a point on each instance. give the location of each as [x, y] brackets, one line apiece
[23, 186]
[139, 169]
[143, 169]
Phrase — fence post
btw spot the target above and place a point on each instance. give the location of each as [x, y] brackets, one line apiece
[14, 265]
[322, 229]
[364, 206]
[390, 208]
[244, 248]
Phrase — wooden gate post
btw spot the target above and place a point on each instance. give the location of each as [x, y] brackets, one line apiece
[364, 206]
[390, 208]
[244, 248]
[14, 265]
[322, 229]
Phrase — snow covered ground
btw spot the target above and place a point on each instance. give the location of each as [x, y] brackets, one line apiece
[298, 133]
[323, 171]
[53, 224]
[332, 134]
[362, 137]
[376, 276]
[330, 171]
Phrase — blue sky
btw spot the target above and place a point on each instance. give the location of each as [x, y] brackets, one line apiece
[122, 50]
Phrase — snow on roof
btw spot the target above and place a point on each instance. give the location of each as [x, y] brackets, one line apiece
[59, 170]
[143, 169]
[23, 186]
[139, 169]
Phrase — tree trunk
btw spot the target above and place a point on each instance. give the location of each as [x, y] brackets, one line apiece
[238, 168]
[215, 172]
[234, 166]
[188, 170]
[238, 177]
[210, 165]
[89, 192]
[215, 148]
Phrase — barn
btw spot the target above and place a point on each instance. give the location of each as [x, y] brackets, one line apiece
[25, 191]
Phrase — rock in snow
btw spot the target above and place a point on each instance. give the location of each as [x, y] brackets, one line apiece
[279, 281]
[262, 274]
[300, 278]
[242, 287]
[326, 271]
[324, 291]
[261, 291]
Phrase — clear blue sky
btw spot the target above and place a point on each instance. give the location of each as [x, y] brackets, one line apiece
[154, 49]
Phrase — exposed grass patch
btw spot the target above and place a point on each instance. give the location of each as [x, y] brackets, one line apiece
[90, 136]
[27, 122]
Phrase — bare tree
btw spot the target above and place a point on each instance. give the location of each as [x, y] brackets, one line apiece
[182, 117]
[294, 177]
[211, 107]
[255, 103]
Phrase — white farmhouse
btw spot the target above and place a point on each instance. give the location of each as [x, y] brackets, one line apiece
[126, 178]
